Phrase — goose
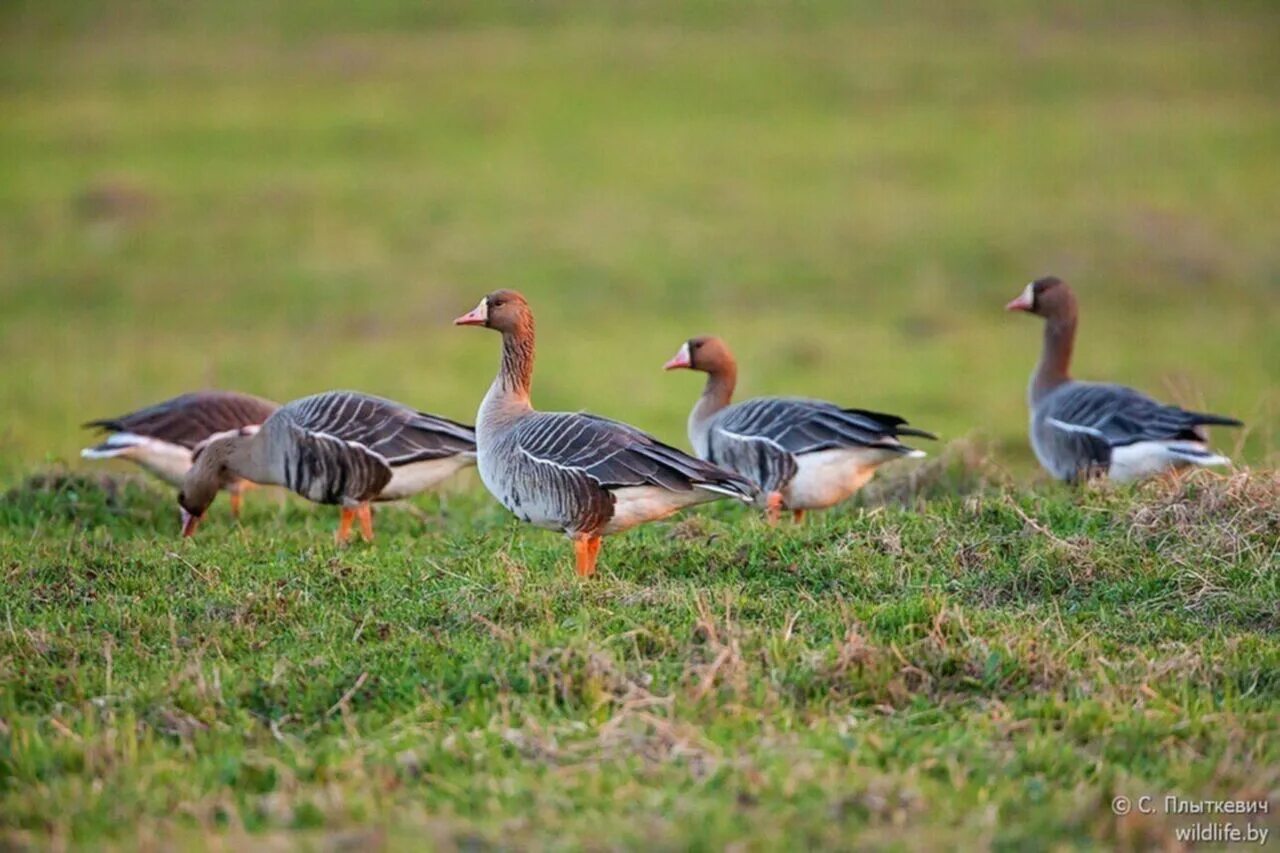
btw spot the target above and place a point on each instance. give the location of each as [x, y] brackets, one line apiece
[1083, 429]
[161, 438]
[803, 454]
[577, 473]
[339, 447]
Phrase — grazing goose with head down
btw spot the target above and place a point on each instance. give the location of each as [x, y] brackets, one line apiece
[339, 447]
[577, 473]
[803, 454]
[1082, 429]
[161, 438]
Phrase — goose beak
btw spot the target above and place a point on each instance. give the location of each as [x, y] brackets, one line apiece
[477, 316]
[680, 359]
[189, 524]
[1026, 300]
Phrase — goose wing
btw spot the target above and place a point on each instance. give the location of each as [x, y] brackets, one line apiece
[395, 432]
[616, 455]
[189, 419]
[329, 470]
[1117, 416]
[799, 426]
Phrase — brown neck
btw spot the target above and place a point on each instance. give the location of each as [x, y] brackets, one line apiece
[1055, 358]
[235, 457]
[718, 392]
[515, 376]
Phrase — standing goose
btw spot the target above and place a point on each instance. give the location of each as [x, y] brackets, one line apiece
[804, 454]
[581, 474]
[1086, 428]
[161, 438]
[339, 447]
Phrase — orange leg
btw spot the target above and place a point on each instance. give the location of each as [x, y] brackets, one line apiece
[797, 516]
[236, 494]
[773, 508]
[344, 525]
[585, 551]
[365, 514]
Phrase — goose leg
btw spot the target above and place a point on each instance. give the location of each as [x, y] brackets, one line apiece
[585, 550]
[344, 525]
[773, 508]
[237, 493]
[365, 514]
[797, 516]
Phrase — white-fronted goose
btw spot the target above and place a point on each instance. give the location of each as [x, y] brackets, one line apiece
[339, 447]
[1080, 429]
[161, 438]
[803, 454]
[581, 474]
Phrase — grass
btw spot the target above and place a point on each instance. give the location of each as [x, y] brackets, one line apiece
[992, 670]
[284, 198]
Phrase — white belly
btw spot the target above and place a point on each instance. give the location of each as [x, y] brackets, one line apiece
[417, 477]
[1153, 458]
[169, 462]
[828, 477]
[639, 504]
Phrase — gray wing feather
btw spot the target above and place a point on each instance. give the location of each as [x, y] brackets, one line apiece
[806, 426]
[328, 470]
[1077, 426]
[1120, 415]
[190, 419]
[761, 460]
[761, 438]
[614, 455]
[561, 470]
[397, 433]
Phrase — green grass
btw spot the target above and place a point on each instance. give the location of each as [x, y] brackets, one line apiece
[284, 197]
[995, 668]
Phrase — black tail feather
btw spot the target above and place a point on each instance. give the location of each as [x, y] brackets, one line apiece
[1215, 420]
[892, 424]
[106, 425]
[919, 433]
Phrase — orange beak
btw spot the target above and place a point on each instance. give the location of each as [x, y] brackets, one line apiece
[189, 524]
[477, 316]
[680, 359]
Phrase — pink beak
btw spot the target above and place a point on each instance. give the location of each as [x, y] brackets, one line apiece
[679, 360]
[477, 316]
[1024, 302]
[189, 524]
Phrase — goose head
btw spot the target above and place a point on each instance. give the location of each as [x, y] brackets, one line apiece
[505, 311]
[1048, 297]
[210, 473]
[707, 353]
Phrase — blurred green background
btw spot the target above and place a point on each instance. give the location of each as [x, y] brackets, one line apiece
[287, 197]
